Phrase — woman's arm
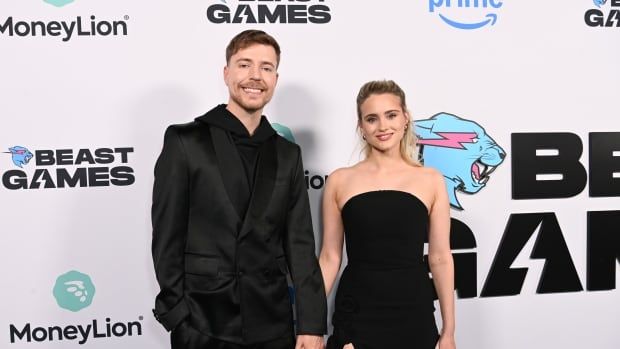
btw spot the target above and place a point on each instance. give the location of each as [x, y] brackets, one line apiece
[330, 257]
[440, 259]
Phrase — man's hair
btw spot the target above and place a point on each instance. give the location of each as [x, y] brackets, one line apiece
[248, 38]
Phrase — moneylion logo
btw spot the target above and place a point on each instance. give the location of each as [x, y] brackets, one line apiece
[256, 11]
[58, 3]
[313, 180]
[66, 30]
[466, 14]
[284, 132]
[74, 291]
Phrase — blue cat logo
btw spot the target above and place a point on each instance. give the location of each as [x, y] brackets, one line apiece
[599, 3]
[461, 150]
[20, 155]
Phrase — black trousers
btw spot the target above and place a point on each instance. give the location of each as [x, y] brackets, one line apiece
[186, 337]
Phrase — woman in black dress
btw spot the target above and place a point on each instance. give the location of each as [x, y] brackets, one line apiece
[384, 206]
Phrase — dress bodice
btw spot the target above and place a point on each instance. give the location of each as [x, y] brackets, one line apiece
[385, 228]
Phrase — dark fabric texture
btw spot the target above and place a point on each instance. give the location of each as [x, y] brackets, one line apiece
[385, 296]
[222, 257]
[247, 145]
[184, 337]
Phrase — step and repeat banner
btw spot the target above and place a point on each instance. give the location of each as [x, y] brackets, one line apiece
[515, 102]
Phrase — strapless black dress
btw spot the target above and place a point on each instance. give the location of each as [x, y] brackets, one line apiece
[385, 296]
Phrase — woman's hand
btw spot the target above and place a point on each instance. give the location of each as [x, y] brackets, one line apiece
[446, 342]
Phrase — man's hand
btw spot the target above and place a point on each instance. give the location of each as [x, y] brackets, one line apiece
[305, 341]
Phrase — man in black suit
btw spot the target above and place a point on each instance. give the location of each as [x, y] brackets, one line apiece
[231, 220]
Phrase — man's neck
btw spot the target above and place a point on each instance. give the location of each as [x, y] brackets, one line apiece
[250, 120]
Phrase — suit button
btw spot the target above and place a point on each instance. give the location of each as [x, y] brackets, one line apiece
[240, 273]
[267, 272]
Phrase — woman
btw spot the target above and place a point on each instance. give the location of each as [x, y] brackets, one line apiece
[386, 204]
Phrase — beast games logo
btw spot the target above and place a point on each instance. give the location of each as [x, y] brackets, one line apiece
[257, 11]
[68, 168]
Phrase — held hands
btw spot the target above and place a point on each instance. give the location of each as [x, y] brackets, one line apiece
[305, 341]
[446, 342]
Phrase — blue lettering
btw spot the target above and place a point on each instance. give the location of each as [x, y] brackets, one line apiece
[433, 4]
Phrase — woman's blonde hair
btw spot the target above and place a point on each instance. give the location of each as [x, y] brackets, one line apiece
[408, 144]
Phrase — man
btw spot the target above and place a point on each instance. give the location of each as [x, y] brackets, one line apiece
[231, 220]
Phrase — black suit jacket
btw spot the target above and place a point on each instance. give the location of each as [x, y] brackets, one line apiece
[224, 273]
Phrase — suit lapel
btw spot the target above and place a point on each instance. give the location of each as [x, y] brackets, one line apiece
[231, 169]
[263, 185]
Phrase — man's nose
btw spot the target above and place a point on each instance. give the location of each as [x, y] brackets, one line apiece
[255, 73]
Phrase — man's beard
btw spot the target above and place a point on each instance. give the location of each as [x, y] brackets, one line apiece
[250, 109]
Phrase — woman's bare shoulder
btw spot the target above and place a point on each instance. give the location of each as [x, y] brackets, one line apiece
[343, 174]
[429, 174]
